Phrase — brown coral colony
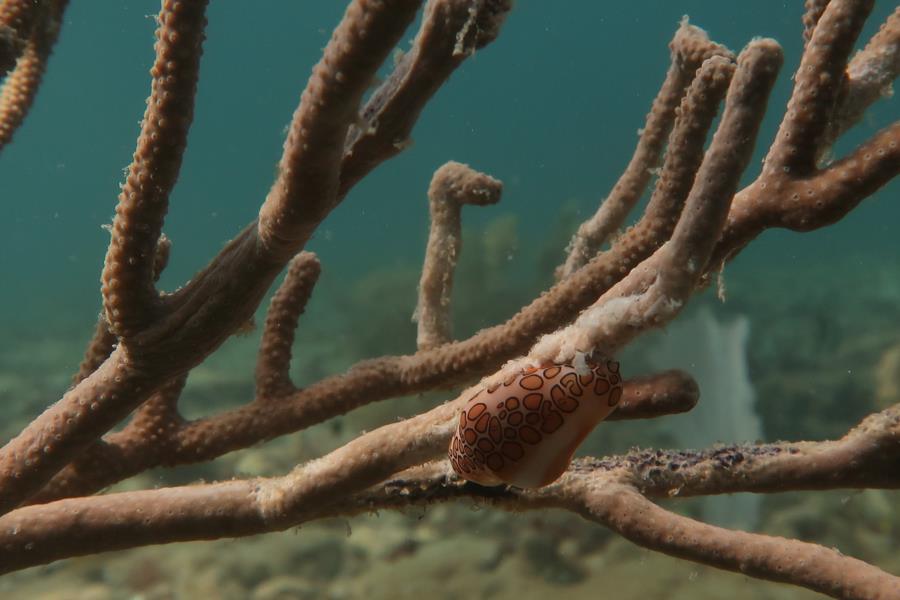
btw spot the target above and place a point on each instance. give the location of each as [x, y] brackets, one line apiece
[122, 416]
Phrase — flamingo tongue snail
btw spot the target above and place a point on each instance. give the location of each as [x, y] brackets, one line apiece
[524, 431]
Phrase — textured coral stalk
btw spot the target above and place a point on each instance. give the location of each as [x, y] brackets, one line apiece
[129, 297]
[690, 48]
[306, 188]
[288, 303]
[25, 55]
[452, 185]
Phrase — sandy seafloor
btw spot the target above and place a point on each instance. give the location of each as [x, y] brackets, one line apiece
[552, 111]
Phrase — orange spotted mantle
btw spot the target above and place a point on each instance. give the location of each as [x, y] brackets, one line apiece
[524, 431]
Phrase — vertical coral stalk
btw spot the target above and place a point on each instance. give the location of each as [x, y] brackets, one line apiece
[129, 297]
[452, 185]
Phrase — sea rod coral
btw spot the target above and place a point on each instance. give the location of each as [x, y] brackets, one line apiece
[121, 415]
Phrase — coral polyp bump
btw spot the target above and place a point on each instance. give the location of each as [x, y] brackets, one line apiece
[524, 431]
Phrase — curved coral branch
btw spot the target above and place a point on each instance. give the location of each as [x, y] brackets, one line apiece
[25, 57]
[452, 185]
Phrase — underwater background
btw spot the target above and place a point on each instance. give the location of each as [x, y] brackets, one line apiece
[805, 344]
